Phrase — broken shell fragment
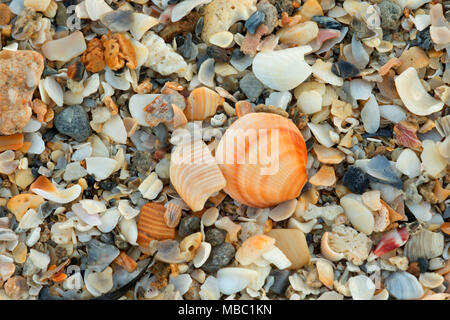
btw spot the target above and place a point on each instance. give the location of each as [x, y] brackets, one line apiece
[404, 286]
[202, 103]
[65, 49]
[151, 186]
[44, 188]
[392, 240]
[20, 203]
[292, 243]
[253, 248]
[414, 95]
[233, 280]
[325, 272]
[151, 225]
[358, 214]
[361, 287]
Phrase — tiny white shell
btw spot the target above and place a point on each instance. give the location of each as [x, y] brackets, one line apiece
[202, 254]
[115, 129]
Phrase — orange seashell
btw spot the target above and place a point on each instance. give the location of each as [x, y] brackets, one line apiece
[324, 177]
[242, 108]
[267, 165]
[195, 174]
[179, 118]
[202, 103]
[19, 204]
[11, 142]
[126, 262]
[151, 225]
[26, 146]
[445, 228]
[44, 187]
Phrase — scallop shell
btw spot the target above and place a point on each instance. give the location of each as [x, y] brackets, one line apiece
[195, 174]
[44, 188]
[233, 280]
[414, 95]
[267, 179]
[404, 286]
[425, 244]
[202, 103]
[151, 225]
[292, 243]
[276, 70]
[172, 215]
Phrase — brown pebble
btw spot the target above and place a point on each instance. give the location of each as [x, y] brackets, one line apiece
[5, 14]
[16, 288]
[414, 269]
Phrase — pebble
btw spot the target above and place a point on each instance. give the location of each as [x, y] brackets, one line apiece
[254, 21]
[73, 121]
[251, 86]
[188, 225]
[361, 29]
[142, 162]
[390, 14]
[423, 40]
[281, 282]
[327, 22]
[16, 288]
[344, 69]
[215, 236]
[218, 54]
[356, 180]
[423, 264]
[220, 256]
[270, 14]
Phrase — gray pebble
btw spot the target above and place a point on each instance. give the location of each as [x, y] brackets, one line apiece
[361, 29]
[254, 21]
[281, 281]
[188, 225]
[390, 14]
[73, 121]
[251, 86]
[142, 162]
[215, 236]
[221, 255]
[118, 21]
[271, 14]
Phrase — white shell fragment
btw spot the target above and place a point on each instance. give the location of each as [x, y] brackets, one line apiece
[358, 214]
[65, 49]
[151, 186]
[408, 163]
[233, 280]
[361, 287]
[101, 167]
[370, 115]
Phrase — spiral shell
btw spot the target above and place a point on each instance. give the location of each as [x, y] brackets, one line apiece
[195, 174]
[269, 164]
[202, 103]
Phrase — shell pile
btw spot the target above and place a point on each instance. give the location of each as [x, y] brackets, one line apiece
[225, 149]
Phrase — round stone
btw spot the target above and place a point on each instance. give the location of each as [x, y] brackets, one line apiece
[73, 121]
[220, 256]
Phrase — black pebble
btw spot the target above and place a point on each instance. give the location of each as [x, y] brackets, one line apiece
[423, 40]
[107, 185]
[281, 282]
[309, 238]
[188, 225]
[327, 22]
[218, 54]
[423, 264]
[356, 180]
[344, 69]
[215, 236]
[382, 132]
[3, 211]
[48, 135]
[254, 21]
[90, 180]
[220, 256]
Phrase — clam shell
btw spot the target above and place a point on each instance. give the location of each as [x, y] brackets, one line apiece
[370, 115]
[425, 244]
[129, 231]
[361, 287]
[233, 280]
[151, 225]
[283, 211]
[202, 103]
[358, 214]
[276, 70]
[432, 161]
[292, 243]
[65, 49]
[195, 174]
[202, 254]
[210, 216]
[126, 210]
[254, 177]
[44, 188]
[414, 95]
[404, 286]
[431, 280]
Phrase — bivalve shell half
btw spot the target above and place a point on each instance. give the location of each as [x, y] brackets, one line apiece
[276, 69]
[358, 214]
[195, 174]
[151, 225]
[44, 188]
[292, 243]
[202, 103]
[431, 279]
[404, 286]
[425, 244]
[233, 280]
[361, 287]
[267, 165]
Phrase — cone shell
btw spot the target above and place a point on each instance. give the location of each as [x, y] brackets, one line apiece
[195, 174]
[254, 183]
[151, 225]
[202, 103]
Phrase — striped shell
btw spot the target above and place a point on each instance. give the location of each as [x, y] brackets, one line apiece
[202, 103]
[265, 177]
[195, 174]
[151, 225]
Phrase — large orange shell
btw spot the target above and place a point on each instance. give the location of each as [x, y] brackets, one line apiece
[249, 180]
[195, 174]
[202, 103]
[151, 225]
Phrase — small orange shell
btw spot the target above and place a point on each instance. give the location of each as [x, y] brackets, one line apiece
[202, 103]
[126, 262]
[19, 204]
[42, 183]
[195, 174]
[11, 142]
[151, 225]
[267, 165]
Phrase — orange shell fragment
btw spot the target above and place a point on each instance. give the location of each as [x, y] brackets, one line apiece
[151, 225]
[42, 183]
[19, 204]
[126, 262]
[11, 142]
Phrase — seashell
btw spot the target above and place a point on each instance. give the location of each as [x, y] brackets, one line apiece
[325, 272]
[44, 188]
[328, 155]
[151, 186]
[414, 95]
[361, 287]
[7, 163]
[54, 90]
[90, 219]
[408, 163]
[358, 214]
[229, 226]
[181, 9]
[30, 219]
[96, 8]
[390, 241]
[100, 167]
[141, 24]
[233, 280]
[360, 89]
[392, 113]
[202, 254]
[310, 101]
[425, 244]
[432, 161]
[220, 15]
[126, 210]
[98, 283]
[292, 243]
[168, 251]
[11, 142]
[181, 282]
[276, 70]
[39, 259]
[126, 262]
[431, 280]
[21, 203]
[109, 220]
[279, 99]
[222, 39]
[32, 126]
[210, 216]
[117, 82]
[403, 286]
[151, 225]
[439, 30]
[93, 206]
[209, 290]
[277, 258]
[253, 248]
[322, 71]
[115, 129]
[371, 199]
[37, 143]
[370, 115]
[299, 34]
[206, 73]
[422, 210]
[65, 49]
[129, 231]
[283, 211]
[324, 177]
[189, 245]
[414, 57]
[137, 105]
[280, 184]
[172, 215]
[322, 133]
[195, 174]
[202, 103]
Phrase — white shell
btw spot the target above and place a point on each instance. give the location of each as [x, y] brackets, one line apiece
[116, 82]
[65, 49]
[39, 259]
[202, 254]
[431, 279]
[310, 101]
[276, 69]
[126, 210]
[322, 133]
[283, 211]
[206, 73]
[60, 196]
[222, 39]
[141, 52]
[209, 217]
[100, 167]
[182, 8]
[322, 71]
[393, 113]
[278, 258]
[432, 161]
[137, 104]
[181, 282]
[32, 126]
[233, 280]
[361, 287]
[109, 220]
[408, 163]
[422, 211]
[151, 186]
[98, 283]
[96, 8]
[279, 99]
[404, 286]
[37, 143]
[360, 89]
[128, 229]
[414, 95]
[90, 219]
[54, 91]
[370, 115]
[358, 214]
[141, 24]
[115, 129]
[412, 4]
[209, 290]
[30, 219]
